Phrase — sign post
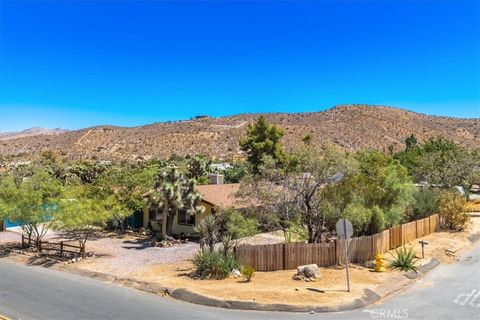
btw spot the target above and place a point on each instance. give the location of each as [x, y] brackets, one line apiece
[345, 231]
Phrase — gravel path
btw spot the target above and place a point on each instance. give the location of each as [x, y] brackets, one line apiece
[123, 256]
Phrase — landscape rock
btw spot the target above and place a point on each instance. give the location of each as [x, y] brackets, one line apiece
[236, 273]
[309, 271]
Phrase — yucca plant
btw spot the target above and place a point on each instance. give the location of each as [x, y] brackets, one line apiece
[404, 259]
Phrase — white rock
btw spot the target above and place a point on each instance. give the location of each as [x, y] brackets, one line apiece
[236, 273]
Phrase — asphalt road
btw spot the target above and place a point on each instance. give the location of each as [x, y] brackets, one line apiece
[39, 293]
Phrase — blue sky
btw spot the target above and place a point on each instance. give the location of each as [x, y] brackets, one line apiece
[77, 64]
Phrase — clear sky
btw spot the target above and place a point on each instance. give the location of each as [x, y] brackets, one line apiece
[76, 64]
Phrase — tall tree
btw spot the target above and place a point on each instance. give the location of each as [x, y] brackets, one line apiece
[81, 212]
[262, 139]
[198, 168]
[411, 142]
[293, 195]
[32, 201]
[127, 184]
[441, 162]
[172, 192]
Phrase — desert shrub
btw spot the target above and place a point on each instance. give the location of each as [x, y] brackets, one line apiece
[425, 203]
[473, 206]
[359, 216]
[404, 259]
[214, 264]
[207, 230]
[247, 273]
[451, 208]
[377, 221]
[240, 226]
[227, 244]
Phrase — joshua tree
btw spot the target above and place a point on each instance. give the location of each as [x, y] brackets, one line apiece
[173, 192]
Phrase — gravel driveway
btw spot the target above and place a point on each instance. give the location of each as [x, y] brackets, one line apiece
[123, 256]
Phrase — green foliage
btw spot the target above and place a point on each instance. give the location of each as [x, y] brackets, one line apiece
[198, 168]
[214, 264]
[207, 229]
[81, 212]
[237, 172]
[425, 203]
[240, 226]
[33, 201]
[451, 208]
[383, 182]
[262, 139]
[127, 184]
[377, 221]
[247, 273]
[441, 162]
[411, 142]
[172, 192]
[404, 259]
[307, 139]
[359, 216]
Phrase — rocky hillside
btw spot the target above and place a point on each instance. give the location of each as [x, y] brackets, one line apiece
[351, 127]
[35, 131]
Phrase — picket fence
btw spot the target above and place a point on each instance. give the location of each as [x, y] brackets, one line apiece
[360, 249]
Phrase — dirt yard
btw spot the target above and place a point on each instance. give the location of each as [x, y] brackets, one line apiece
[130, 257]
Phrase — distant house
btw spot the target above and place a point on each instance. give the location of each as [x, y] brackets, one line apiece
[215, 195]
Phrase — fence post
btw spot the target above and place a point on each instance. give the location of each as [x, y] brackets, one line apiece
[284, 256]
[23, 241]
[29, 239]
[416, 229]
[39, 244]
[61, 248]
[336, 255]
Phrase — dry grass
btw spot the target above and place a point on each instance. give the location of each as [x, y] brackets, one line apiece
[473, 206]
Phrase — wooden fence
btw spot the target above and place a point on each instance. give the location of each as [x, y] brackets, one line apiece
[60, 247]
[289, 256]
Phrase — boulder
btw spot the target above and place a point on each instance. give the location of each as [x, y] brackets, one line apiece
[236, 273]
[309, 271]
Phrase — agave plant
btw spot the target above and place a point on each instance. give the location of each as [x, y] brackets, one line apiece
[404, 259]
[207, 229]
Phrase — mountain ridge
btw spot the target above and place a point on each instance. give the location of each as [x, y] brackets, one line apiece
[352, 127]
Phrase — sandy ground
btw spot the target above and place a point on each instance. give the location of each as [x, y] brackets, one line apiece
[129, 257]
[278, 286]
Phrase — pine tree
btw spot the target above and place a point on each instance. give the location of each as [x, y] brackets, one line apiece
[262, 139]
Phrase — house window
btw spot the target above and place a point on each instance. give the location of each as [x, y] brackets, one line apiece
[185, 218]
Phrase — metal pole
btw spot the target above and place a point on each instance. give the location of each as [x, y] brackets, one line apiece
[346, 253]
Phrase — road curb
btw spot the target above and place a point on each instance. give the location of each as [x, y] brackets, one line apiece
[381, 291]
[399, 283]
[193, 297]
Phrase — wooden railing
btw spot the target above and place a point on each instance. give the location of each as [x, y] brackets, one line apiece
[289, 256]
[60, 247]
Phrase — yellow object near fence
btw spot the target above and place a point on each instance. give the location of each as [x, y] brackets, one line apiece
[379, 263]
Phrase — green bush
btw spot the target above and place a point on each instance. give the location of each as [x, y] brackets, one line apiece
[247, 273]
[404, 259]
[214, 264]
[425, 203]
[240, 226]
[451, 208]
[377, 221]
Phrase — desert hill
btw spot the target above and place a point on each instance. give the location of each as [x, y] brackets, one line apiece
[350, 126]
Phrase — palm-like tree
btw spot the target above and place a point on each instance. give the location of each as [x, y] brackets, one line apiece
[173, 192]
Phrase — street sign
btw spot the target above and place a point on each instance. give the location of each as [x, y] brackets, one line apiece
[344, 229]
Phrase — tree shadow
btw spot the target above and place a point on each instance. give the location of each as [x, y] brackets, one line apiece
[138, 244]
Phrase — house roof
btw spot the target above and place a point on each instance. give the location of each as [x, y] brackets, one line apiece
[221, 195]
